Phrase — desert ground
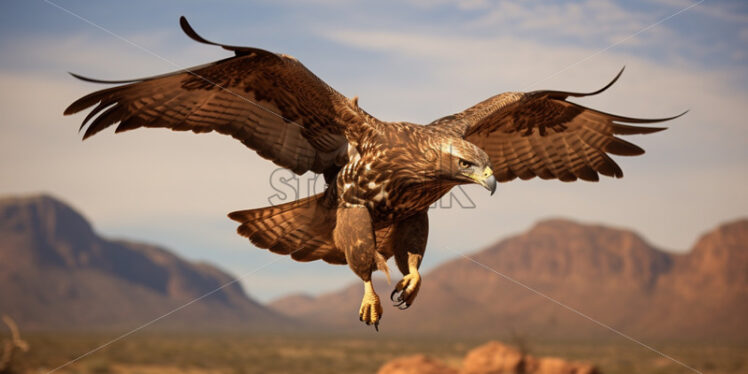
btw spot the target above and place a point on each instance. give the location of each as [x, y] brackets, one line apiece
[165, 352]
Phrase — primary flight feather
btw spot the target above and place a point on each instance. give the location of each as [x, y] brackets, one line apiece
[382, 176]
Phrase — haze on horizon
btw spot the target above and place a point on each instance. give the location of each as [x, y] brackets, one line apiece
[414, 61]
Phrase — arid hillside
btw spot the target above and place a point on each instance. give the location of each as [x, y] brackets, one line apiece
[609, 274]
[56, 272]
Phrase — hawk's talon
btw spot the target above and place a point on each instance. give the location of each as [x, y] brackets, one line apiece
[408, 288]
[371, 309]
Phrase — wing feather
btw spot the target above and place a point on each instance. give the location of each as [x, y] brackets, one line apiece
[269, 102]
[541, 134]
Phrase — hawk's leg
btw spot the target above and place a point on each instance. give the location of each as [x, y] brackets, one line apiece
[371, 310]
[354, 235]
[409, 244]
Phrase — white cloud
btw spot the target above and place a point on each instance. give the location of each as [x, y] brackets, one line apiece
[588, 20]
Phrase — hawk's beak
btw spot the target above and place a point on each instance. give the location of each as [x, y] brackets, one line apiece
[487, 180]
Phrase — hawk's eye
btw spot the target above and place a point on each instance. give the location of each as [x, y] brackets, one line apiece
[465, 164]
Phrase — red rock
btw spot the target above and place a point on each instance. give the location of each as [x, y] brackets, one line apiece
[497, 358]
[552, 365]
[493, 358]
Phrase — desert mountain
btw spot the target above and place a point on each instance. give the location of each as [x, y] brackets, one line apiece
[611, 275]
[56, 272]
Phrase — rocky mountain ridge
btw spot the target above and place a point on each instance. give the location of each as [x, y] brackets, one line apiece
[56, 272]
[611, 275]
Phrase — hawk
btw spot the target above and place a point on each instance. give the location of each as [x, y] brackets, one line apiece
[382, 176]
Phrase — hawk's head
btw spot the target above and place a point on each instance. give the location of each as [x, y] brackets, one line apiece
[463, 162]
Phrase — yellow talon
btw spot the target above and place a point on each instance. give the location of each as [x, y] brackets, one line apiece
[408, 288]
[371, 308]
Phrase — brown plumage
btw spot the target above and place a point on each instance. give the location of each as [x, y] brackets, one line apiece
[382, 176]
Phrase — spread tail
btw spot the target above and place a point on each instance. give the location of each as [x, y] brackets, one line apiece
[302, 229]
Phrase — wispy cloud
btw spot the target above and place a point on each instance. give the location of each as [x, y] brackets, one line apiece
[719, 10]
[585, 21]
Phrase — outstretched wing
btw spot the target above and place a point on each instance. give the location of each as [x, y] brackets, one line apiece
[269, 102]
[541, 134]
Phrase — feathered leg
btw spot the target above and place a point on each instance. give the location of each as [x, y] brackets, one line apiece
[354, 235]
[409, 244]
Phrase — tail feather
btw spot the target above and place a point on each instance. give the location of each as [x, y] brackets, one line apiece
[302, 228]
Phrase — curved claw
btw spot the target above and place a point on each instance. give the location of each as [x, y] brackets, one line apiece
[402, 301]
[370, 311]
[399, 300]
[392, 295]
[407, 289]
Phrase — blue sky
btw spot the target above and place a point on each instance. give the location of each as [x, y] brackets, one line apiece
[411, 60]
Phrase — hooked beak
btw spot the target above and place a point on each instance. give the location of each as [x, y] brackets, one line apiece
[487, 180]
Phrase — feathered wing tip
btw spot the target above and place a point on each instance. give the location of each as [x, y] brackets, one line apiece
[564, 94]
[95, 97]
[187, 28]
[617, 146]
[93, 80]
[238, 50]
[86, 101]
[585, 148]
[610, 84]
[620, 147]
[624, 130]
